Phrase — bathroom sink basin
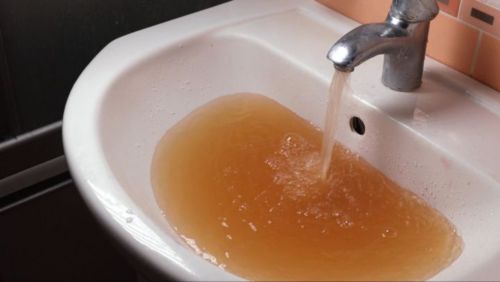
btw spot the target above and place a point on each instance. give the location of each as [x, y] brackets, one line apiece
[441, 142]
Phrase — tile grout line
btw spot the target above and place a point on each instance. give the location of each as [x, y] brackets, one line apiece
[459, 20]
[476, 53]
[491, 34]
[460, 8]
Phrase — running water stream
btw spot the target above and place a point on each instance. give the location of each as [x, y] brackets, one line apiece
[337, 88]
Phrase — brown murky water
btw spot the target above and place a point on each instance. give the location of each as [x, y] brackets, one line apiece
[240, 180]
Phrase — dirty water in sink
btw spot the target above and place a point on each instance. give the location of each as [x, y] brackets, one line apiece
[240, 180]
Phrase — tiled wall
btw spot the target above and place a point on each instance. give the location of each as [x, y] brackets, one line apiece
[465, 35]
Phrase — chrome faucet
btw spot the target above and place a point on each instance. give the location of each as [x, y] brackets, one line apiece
[402, 38]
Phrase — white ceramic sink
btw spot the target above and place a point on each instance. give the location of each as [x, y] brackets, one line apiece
[442, 142]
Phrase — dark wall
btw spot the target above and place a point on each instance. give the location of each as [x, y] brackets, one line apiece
[47, 233]
[47, 44]
[53, 237]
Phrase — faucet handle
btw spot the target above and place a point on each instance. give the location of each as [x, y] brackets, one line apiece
[412, 11]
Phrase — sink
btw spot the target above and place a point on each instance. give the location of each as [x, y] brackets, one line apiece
[441, 142]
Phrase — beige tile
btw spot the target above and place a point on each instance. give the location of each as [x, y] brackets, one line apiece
[492, 13]
[452, 42]
[487, 69]
[449, 6]
[363, 11]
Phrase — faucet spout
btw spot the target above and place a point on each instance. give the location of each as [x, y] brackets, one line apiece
[364, 42]
[402, 39]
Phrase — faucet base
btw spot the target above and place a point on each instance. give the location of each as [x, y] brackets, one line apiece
[403, 67]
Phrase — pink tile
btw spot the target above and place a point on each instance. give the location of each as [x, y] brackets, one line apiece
[449, 6]
[483, 16]
[452, 42]
[487, 67]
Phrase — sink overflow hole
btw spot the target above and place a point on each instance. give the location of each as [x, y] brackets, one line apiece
[357, 125]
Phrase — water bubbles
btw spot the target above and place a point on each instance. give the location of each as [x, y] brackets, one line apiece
[252, 226]
[296, 166]
[243, 207]
[400, 204]
[229, 170]
[344, 222]
[389, 233]
[205, 255]
[129, 219]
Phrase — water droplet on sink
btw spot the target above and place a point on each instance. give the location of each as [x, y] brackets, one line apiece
[129, 219]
